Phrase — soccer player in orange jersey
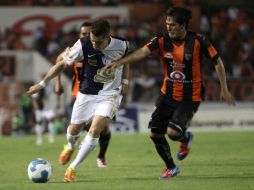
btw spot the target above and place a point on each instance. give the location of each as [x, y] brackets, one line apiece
[180, 52]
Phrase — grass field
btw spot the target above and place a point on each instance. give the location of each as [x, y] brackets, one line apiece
[218, 161]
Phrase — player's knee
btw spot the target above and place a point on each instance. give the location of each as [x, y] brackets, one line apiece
[175, 138]
[105, 131]
[158, 139]
[174, 131]
[94, 131]
[74, 129]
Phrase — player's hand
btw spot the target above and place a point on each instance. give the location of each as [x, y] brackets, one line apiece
[227, 97]
[112, 65]
[34, 89]
[59, 89]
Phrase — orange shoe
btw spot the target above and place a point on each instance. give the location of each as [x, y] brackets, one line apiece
[184, 149]
[69, 175]
[65, 155]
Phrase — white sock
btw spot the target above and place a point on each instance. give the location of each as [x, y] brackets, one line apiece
[88, 144]
[51, 132]
[72, 139]
[38, 129]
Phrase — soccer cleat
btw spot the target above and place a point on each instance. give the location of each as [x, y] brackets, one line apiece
[69, 175]
[185, 147]
[65, 155]
[169, 173]
[101, 162]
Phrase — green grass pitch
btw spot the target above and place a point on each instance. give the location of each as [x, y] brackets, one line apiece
[218, 161]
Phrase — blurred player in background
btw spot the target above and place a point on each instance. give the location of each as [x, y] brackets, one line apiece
[180, 52]
[99, 93]
[43, 116]
[105, 136]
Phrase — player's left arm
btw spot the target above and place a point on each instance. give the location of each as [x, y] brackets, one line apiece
[224, 94]
[211, 53]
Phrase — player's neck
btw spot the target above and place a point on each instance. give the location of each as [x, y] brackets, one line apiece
[180, 38]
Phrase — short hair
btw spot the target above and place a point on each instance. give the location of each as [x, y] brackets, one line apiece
[86, 24]
[100, 28]
[181, 15]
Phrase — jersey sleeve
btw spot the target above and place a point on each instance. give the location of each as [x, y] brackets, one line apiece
[207, 48]
[73, 54]
[127, 48]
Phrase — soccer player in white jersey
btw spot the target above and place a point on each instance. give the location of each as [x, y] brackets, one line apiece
[105, 135]
[99, 92]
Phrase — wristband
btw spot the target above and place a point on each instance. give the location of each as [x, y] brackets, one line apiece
[125, 81]
[42, 83]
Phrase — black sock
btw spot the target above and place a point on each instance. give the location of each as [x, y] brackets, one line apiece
[163, 150]
[104, 142]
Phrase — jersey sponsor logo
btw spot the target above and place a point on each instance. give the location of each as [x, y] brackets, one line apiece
[104, 75]
[176, 65]
[92, 62]
[178, 76]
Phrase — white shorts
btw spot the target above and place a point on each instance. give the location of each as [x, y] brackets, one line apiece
[87, 106]
[44, 114]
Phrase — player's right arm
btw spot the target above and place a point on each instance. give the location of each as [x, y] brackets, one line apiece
[53, 72]
[133, 57]
[70, 56]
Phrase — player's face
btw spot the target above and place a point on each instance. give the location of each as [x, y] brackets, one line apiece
[99, 42]
[175, 30]
[84, 31]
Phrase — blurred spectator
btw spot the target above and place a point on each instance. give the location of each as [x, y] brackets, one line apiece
[26, 109]
[17, 124]
[230, 29]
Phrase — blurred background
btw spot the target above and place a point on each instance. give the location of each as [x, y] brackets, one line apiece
[34, 32]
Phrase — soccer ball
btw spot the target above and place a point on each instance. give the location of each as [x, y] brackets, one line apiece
[39, 170]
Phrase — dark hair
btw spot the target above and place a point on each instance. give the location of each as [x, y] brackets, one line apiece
[181, 15]
[100, 28]
[84, 24]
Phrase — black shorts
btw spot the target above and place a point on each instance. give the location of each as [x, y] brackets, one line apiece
[179, 113]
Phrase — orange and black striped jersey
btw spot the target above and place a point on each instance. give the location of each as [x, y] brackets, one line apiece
[182, 65]
[77, 69]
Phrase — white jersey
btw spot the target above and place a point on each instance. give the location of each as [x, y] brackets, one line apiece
[95, 80]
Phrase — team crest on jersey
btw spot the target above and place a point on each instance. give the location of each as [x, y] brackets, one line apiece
[168, 55]
[188, 56]
[92, 62]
